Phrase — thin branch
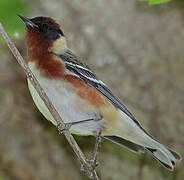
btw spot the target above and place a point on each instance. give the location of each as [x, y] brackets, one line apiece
[90, 171]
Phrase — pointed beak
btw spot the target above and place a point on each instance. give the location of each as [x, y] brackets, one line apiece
[28, 22]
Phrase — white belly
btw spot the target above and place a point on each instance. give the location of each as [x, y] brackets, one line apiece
[70, 107]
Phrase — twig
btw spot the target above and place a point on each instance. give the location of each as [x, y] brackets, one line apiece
[90, 171]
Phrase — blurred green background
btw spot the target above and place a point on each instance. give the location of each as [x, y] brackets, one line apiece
[135, 48]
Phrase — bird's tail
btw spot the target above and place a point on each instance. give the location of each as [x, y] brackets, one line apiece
[168, 158]
[136, 138]
[165, 156]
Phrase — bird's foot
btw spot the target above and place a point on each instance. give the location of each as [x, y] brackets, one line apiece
[93, 160]
[67, 126]
[62, 128]
[93, 165]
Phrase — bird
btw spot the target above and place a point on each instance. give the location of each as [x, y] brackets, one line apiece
[83, 101]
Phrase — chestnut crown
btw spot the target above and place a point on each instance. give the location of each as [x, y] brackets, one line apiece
[49, 29]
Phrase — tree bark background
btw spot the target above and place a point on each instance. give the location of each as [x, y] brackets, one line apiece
[137, 50]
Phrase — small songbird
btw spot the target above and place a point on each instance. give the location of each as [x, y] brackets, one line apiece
[80, 97]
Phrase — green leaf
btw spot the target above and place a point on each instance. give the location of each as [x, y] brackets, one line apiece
[143, 0]
[154, 2]
[8, 15]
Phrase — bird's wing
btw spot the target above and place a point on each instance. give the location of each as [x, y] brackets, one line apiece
[74, 65]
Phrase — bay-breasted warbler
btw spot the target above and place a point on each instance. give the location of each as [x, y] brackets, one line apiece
[79, 96]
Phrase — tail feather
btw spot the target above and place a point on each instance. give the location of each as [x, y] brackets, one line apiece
[123, 142]
[177, 156]
[166, 157]
[137, 138]
[162, 158]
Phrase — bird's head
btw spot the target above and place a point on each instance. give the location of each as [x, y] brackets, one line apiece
[44, 32]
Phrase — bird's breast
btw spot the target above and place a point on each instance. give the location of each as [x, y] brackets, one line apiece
[74, 102]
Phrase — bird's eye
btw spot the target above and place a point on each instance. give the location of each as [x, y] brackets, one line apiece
[60, 32]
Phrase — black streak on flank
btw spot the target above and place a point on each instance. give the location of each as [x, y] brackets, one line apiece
[48, 28]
